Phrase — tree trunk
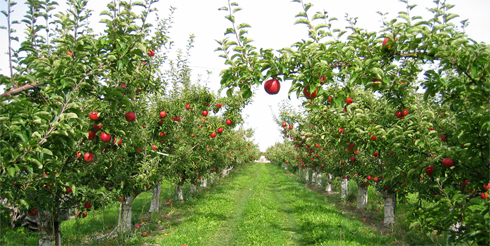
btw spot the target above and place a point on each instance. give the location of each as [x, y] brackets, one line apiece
[179, 192]
[313, 177]
[47, 235]
[329, 185]
[155, 199]
[390, 207]
[125, 213]
[204, 183]
[307, 175]
[362, 196]
[193, 188]
[344, 188]
[319, 179]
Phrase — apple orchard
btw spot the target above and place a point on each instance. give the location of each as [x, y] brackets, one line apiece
[91, 119]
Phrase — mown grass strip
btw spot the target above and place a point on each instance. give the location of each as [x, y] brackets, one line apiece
[264, 206]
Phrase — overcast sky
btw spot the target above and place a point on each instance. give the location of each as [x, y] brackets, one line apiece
[273, 26]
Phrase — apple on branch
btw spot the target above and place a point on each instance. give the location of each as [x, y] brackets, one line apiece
[272, 86]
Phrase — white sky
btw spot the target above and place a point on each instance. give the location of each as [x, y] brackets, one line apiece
[272, 27]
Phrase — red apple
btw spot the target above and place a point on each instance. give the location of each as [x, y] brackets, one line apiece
[88, 157]
[177, 119]
[486, 187]
[306, 92]
[341, 130]
[87, 205]
[162, 134]
[290, 127]
[219, 105]
[139, 150]
[431, 128]
[405, 112]
[284, 124]
[118, 142]
[345, 176]
[137, 225]
[105, 137]
[398, 114]
[32, 212]
[375, 179]
[373, 138]
[130, 116]
[228, 122]
[187, 106]
[205, 113]
[97, 127]
[429, 170]
[93, 115]
[443, 138]
[447, 162]
[213, 135]
[368, 177]
[348, 100]
[154, 147]
[352, 159]
[163, 114]
[272, 86]
[375, 154]
[484, 196]
[91, 135]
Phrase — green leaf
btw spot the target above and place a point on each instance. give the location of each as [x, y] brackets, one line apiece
[247, 93]
[11, 171]
[229, 92]
[46, 151]
[68, 116]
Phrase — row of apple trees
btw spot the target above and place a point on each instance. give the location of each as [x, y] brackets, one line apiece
[404, 110]
[91, 119]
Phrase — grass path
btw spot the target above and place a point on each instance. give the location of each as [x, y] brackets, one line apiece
[262, 205]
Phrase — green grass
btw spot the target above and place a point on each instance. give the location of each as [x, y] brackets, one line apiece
[262, 205]
[257, 205]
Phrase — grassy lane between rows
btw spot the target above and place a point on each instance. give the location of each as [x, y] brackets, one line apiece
[262, 205]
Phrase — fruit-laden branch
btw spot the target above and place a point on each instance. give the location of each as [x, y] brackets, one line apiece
[58, 117]
[183, 155]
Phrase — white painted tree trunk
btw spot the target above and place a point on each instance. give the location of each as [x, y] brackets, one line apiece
[46, 239]
[46, 229]
[313, 177]
[155, 199]
[307, 175]
[193, 188]
[344, 188]
[362, 196]
[390, 206]
[455, 228]
[319, 179]
[125, 213]
[204, 183]
[49, 230]
[329, 185]
[179, 192]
